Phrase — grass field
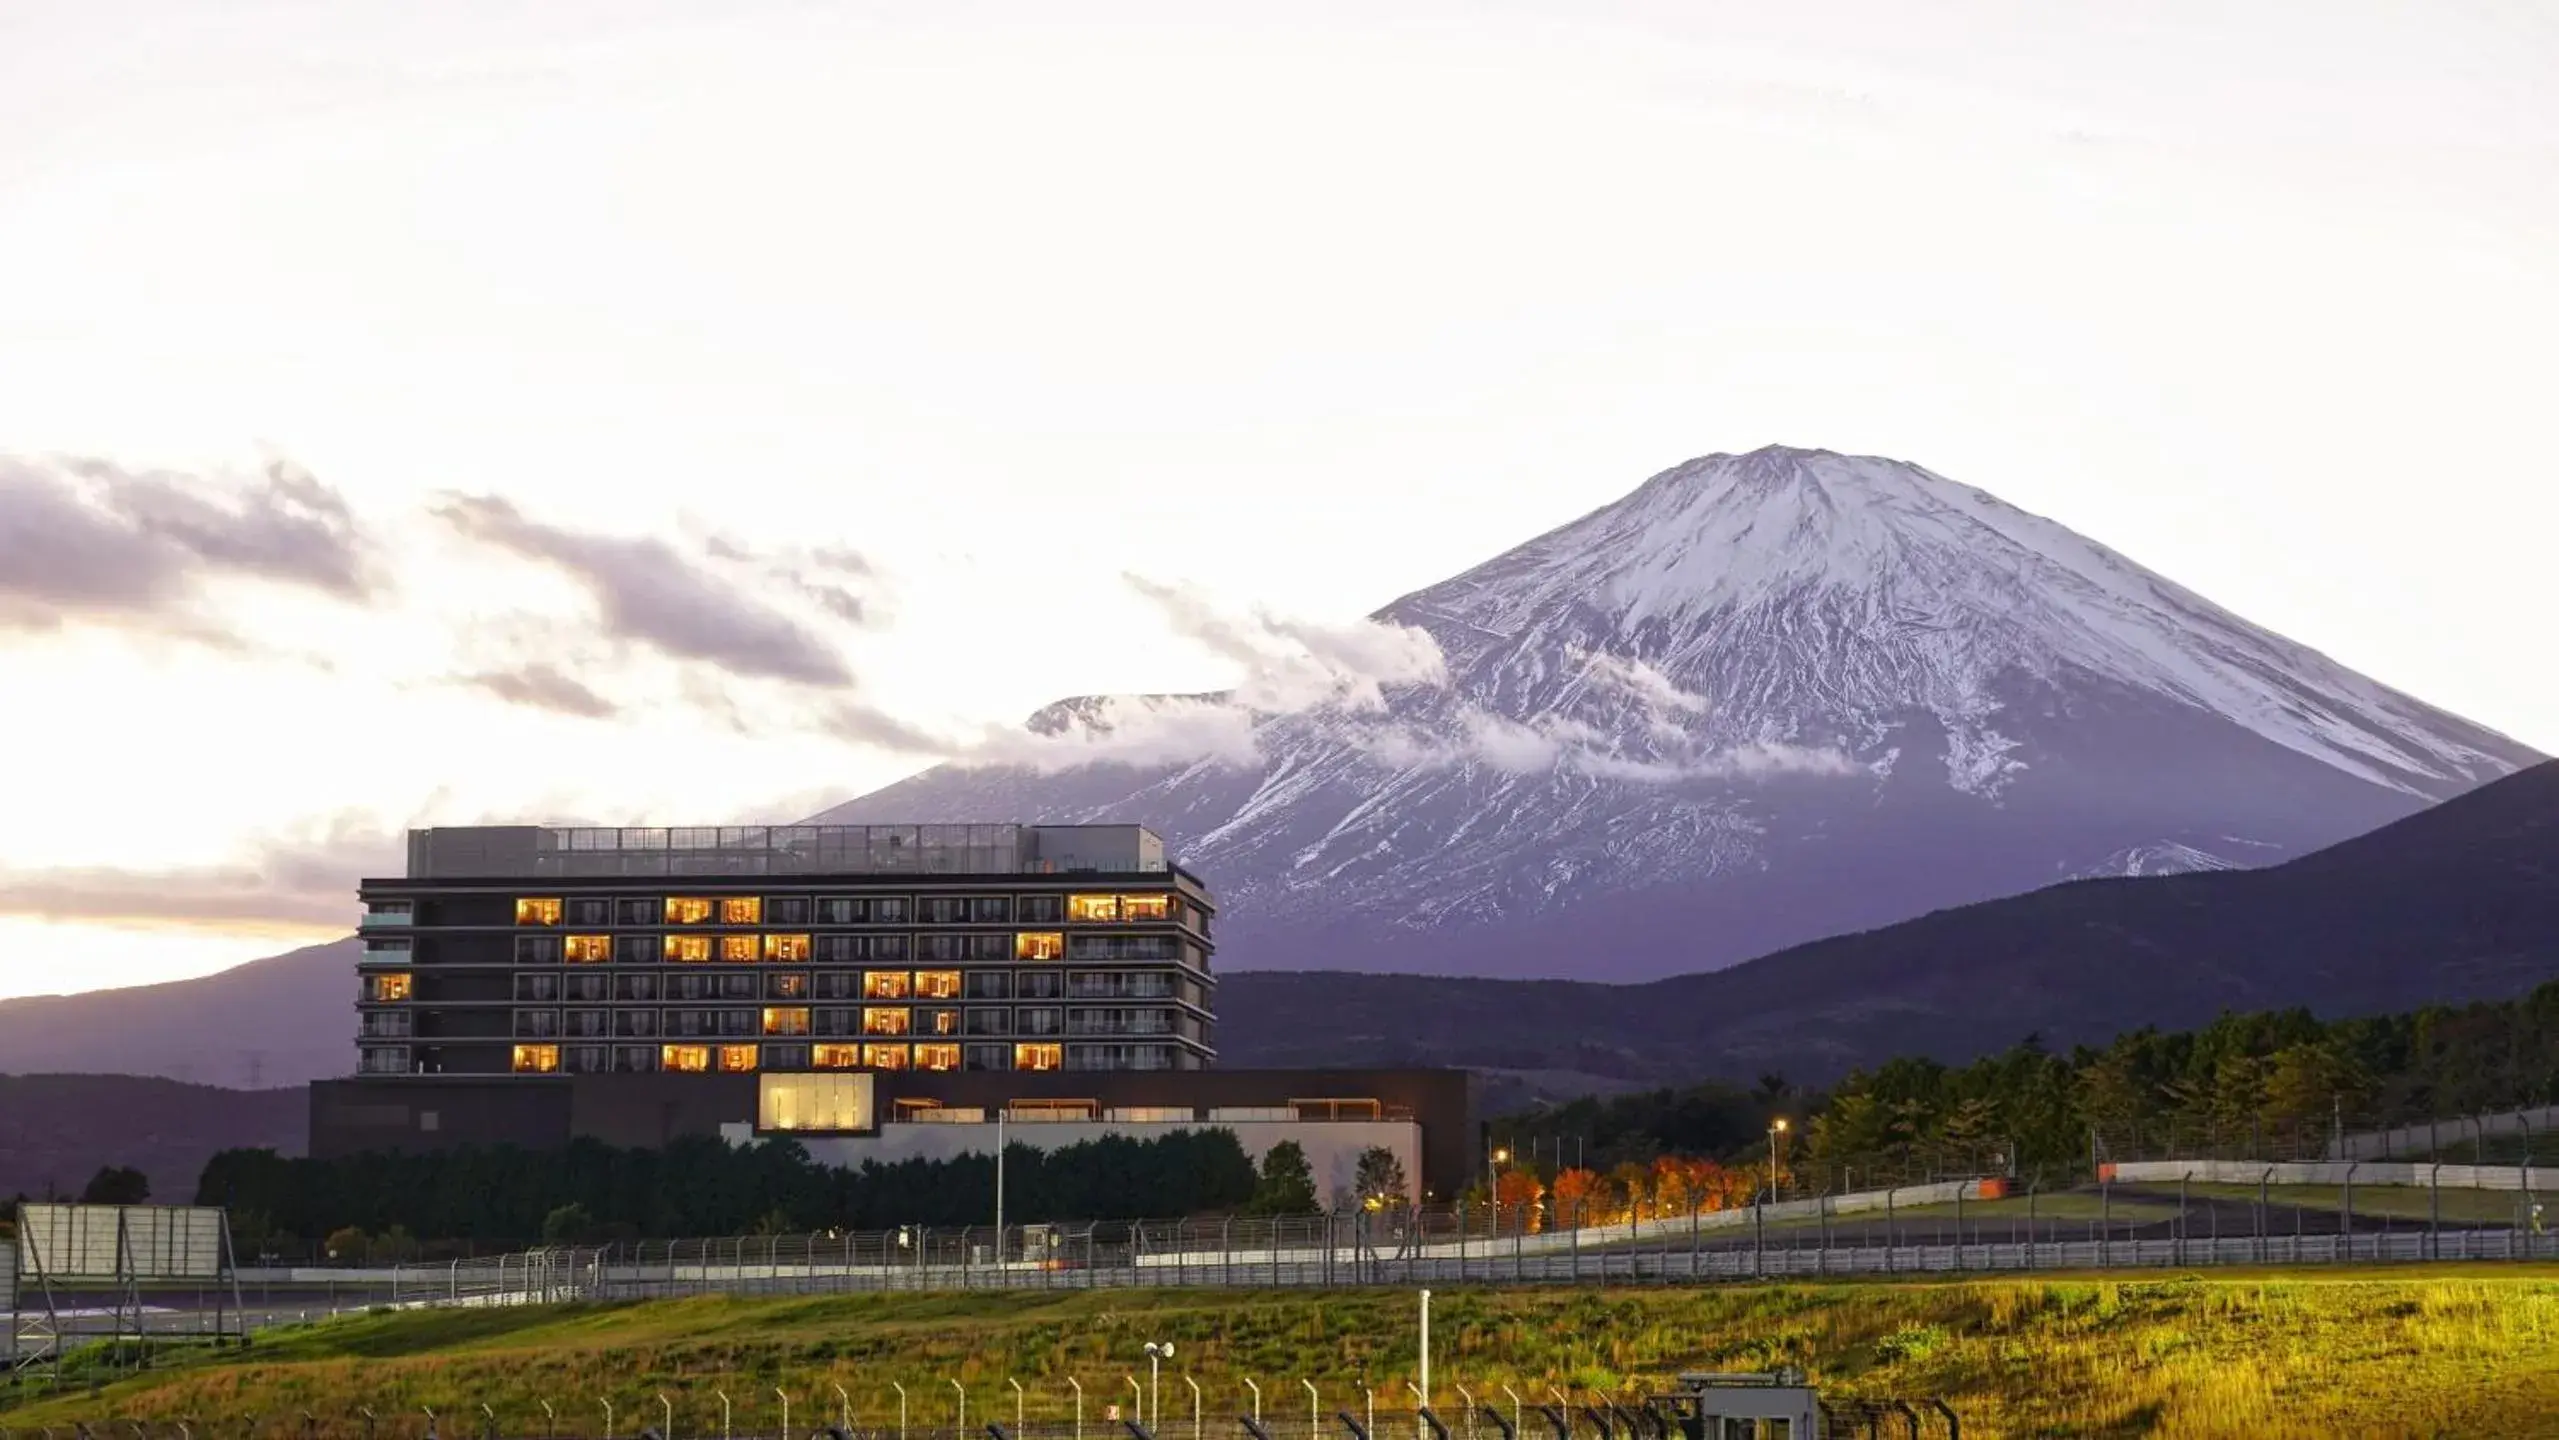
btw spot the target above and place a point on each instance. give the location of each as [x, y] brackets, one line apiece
[2408, 1350]
[2372, 1202]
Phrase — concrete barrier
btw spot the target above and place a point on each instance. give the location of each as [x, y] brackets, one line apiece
[2333, 1172]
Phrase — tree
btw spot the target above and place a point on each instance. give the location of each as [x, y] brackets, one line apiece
[116, 1185]
[1286, 1184]
[1574, 1190]
[567, 1225]
[1630, 1184]
[1517, 1192]
[1379, 1178]
[344, 1243]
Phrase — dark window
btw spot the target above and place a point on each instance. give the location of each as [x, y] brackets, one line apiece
[990, 1021]
[537, 949]
[643, 911]
[637, 949]
[893, 948]
[786, 910]
[737, 1022]
[786, 985]
[839, 985]
[537, 1023]
[1039, 984]
[635, 987]
[586, 1024]
[843, 910]
[786, 1057]
[591, 911]
[945, 909]
[991, 909]
[838, 949]
[632, 1059]
[1043, 909]
[737, 987]
[537, 987]
[889, 910]
[684, 985]
[987, 947]
[987, 1057]
[836, 1022]
[635, 1022]
[986, 984]
[944, 947]
[1037, 1020]
[589, 988]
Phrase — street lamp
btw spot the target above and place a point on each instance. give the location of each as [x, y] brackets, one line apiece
[1157, 1352]
[1776, 1128]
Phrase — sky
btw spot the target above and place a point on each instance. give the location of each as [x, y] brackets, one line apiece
[646, 412]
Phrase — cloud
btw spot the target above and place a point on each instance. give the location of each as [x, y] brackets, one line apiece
[284, 885]
[84, 537]
[541, 686]
[1140, 731]
[648, 594]
[1291, 665]
[859, 724]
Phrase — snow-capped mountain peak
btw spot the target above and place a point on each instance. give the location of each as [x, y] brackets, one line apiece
[1762, 698]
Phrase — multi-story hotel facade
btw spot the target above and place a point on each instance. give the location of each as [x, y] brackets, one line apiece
[873, 991]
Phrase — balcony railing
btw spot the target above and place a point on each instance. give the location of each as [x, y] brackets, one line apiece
[383, 920]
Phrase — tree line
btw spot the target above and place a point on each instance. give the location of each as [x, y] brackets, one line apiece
[587, 1191]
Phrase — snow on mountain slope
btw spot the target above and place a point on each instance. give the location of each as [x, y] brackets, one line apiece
[1763, 698]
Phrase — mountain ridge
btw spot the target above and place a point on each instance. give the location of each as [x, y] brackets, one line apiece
[1677, 710]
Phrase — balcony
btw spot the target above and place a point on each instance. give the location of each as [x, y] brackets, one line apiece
[384, 919]
[386, 955]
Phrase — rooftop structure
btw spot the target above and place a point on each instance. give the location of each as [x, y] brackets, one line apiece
[489, 852]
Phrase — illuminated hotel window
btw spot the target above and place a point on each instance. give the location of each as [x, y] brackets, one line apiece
[1146, 907]
[937, 984]
[536, 1059]
[739, 948]
[785, 1020]
[741, 910]
[888, 1021]
[587, 949]
[885, 985]
[537, 912]
[394, 986]
[687, 910]
[789, 985]
[786, 947]
[939, 1022]
[1038, 1057]
[737, 1059]
[937, 1057]
[690, 1058]
[884, 1057]
[813, 1102]
[837, 1057]
[1039, 945]
[1092, 907]
[688, 949]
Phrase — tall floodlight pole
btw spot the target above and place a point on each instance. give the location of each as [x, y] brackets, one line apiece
[999, 1193]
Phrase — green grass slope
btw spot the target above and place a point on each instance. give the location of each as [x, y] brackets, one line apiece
[2414, 1350]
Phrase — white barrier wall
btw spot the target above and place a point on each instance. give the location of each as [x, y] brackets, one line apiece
[2337, 1172]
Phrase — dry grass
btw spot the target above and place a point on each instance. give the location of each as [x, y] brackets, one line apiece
[2412, 1350]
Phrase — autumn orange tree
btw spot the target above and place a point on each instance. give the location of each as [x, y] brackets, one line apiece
[1575, 1191]
[1517, 1193]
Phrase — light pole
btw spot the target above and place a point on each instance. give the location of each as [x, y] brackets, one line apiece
[1314, 1411]
[964, 1409]
[1137, 1393]
[1195, 1406]
[666, 1414]
[724, 1413]
[786, 1411]
[1017, 1405]
[1157, 1352]
[1257, 1399]
[999, 1198]
[1776, 1128]
[1078, 1387]
[1493, 1164]
[901, 1410]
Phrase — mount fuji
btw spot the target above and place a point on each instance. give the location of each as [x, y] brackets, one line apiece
[1763, 699]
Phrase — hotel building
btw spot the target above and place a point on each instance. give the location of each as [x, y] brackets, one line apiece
[868, 989]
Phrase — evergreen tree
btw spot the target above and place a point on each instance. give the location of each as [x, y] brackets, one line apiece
[1286, 1184]
[1379, 1178]
[116, 1185]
